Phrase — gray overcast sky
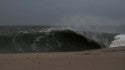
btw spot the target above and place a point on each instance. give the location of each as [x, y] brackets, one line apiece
[21, 12]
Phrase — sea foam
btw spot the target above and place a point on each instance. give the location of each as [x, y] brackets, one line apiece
[119, 40]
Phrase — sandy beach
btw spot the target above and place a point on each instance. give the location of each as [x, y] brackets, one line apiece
[103, 59]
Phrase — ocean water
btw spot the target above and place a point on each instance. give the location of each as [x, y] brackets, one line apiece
[29, 39]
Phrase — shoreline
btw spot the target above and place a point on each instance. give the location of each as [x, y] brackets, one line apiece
[101, 59]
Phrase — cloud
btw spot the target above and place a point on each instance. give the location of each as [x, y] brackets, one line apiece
[72, 12]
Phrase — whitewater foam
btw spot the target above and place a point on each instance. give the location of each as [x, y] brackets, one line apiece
[119, 41]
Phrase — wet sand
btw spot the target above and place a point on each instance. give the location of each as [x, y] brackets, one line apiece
[103, 59]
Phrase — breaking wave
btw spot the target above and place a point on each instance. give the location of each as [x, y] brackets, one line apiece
[53, 40]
